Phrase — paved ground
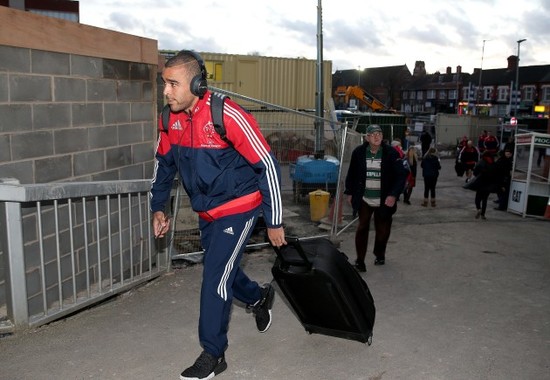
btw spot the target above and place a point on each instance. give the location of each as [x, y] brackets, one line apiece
[458, 298]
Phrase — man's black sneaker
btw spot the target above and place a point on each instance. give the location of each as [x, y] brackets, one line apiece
[360, 266]
[379, 262]
[262, 308]
[206, 367]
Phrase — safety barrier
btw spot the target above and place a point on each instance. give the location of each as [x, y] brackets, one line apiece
[66, 246]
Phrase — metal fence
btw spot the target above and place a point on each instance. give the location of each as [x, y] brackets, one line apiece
[291, 135]
[65, 246]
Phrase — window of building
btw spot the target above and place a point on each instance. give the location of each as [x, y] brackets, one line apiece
[466, 95]
[214, 70]
[545, 94]
[413, 95]
[529, 93]
[69, 16]
[486, 93]
[430, 94]
[442, 95]
[420, 95]
[453, 94]
[405, 95]
[503, 93]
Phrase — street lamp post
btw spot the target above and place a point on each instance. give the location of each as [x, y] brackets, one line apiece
[359, 76]
[517, 79]
[479, 89]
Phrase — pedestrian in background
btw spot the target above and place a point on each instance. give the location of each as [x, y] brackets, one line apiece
[503, 167]
[541, 156]
[468, 157]
[425, 142]
[491, 144]
[431, 165]
[461, 144]
[459, 166]
[412, 160]
[376, 176]
[396, 143]
[481, 141]
[486, 182]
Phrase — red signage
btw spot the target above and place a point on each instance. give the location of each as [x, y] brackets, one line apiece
[523, 139]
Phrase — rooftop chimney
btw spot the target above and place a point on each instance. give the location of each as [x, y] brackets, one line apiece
[419, 69]
[512, 62]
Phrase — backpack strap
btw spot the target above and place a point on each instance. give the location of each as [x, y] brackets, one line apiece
[217, 102]
[165, 117]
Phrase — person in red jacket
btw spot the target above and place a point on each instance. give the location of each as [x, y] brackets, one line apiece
[491, 144]
[228, 183]
[481, 142]
[462, 143]
[469, 156]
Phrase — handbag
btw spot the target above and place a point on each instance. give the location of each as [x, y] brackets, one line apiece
[411, 181]
[459, 169]
[473, 184]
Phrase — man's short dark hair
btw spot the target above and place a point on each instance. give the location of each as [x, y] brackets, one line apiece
[184, 58]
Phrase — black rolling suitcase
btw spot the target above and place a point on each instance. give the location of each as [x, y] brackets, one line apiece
[327, 294]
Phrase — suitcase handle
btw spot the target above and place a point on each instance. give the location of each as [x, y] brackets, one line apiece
[293, 242]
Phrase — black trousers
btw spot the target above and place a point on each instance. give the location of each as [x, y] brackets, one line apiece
[503, 195]
[481, 200]
[429, 186]
[382, 227]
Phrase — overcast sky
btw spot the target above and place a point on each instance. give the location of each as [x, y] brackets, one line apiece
[368, 34]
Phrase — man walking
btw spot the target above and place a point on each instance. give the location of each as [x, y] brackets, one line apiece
[375, 178]
[228, 181]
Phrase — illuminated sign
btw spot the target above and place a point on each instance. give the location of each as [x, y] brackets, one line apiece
[539, 140]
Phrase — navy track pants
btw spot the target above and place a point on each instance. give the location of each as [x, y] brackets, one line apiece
[224, 241]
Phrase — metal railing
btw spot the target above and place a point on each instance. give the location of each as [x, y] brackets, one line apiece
[65, 246]
[290, 134]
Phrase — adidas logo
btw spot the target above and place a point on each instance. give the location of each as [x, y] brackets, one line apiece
[176, 126]
[229, 230]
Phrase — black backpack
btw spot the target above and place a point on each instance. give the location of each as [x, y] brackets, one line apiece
[217, 102]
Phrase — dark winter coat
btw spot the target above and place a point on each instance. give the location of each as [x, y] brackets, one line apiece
[503, 168]
[425, 139]
[488, 177]
[394, 171]
[430, 166]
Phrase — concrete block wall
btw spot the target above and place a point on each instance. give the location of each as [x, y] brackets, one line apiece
[77, 103]
[72, 117]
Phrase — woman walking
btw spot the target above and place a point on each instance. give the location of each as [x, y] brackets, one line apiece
[411, 179]
[430, 171]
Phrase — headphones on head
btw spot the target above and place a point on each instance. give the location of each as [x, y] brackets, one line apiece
[198, 84]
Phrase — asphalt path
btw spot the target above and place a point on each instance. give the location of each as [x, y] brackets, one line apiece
[458, 298]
